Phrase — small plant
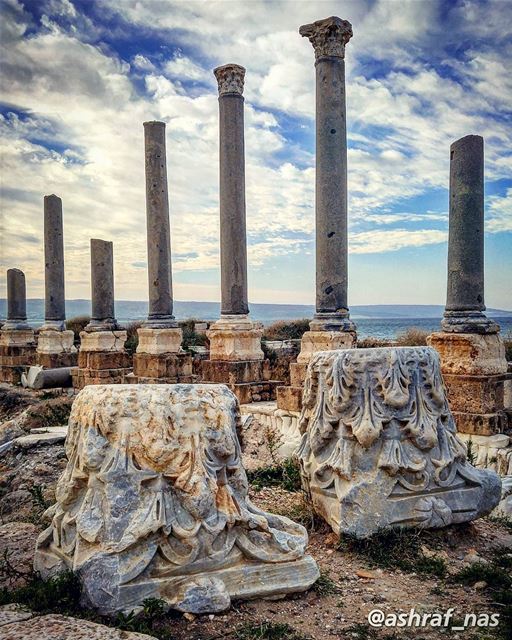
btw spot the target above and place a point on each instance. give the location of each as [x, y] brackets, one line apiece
[285, 475]
[412, 337]
[470, 453]
[132, 337]
[270, 354]
[325, 585]
[61, 594]
[148, 621]
[273, 441]
[504, 521]
[395, 549]
[77, 325]
[268, 631]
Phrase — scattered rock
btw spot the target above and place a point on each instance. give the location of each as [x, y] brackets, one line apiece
[363, 573]
[481, 584]
[13, 613]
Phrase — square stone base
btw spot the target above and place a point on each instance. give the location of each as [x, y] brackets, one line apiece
[168, 368]
[235, 338]
[478, 403]
[14, 360]
[159, 341]
[289, 398]
[102, 341]
[313, 341]
[56, 360]
[469, 354]
[51, 341]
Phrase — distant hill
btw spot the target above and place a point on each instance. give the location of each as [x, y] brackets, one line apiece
[127, 310]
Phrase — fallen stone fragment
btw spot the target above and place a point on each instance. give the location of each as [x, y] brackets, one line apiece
[13, 613]
[57, 627]
[363, 573]
[37, 439]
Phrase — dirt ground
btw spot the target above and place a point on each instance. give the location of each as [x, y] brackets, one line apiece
[337, 608]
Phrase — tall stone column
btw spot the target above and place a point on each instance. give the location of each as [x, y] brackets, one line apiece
[55, 346]
[331, 328]
[102, 358]
[102, 286]
[159, 356]
[472, 352]
[234, 337]
[17, 341]
[465, 294]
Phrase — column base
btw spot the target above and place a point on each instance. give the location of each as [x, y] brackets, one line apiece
[162, 368]
[154, 341]
[247, 379]
[17, 353]
[469, 353]
[102, 359]
[56, 348]
[468, 322]
[235, 338]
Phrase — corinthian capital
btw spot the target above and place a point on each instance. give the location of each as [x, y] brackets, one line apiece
[230, 78]
[328, 36]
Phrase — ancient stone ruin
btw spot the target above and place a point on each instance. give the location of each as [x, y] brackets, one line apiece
[153, 503]
[380, 446]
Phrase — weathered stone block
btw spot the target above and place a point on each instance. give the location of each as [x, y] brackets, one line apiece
[104, 360]
[165, 365]
[56, 360]
[314, 341]
[289, 398]
[159, 341]
[52, 341]
[470, 354]
[380, 447]
[17, 338]
[298, 372]
[476, 394]
[235, 337]
[483, 424]
[103, 341]
[154, 503]
[230, 372]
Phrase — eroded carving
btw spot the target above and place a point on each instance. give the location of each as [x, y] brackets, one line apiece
[153, 503]
[230, 78]
[379, 445]
[328, 36]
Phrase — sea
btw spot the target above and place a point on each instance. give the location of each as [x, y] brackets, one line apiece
[377, 321]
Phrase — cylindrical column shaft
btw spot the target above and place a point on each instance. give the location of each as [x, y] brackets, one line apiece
[158, 228]
[233, 243]
[102, 285]
[16, 300]
[329, 38]
[465, 291]
[55, 305]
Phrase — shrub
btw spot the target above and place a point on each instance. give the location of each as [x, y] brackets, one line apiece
[507, 339]
[190, 337]
[76, 325]
[286, 329]
[285, 475]
[412, 337]
[132, 339]
[370, 342]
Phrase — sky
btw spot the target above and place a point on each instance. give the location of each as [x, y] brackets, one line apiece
[79, 77]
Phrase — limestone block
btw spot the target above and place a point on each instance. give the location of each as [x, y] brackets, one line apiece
[229, 371]
[379, 445]
[104, 360]
[476, 394]
[17, 337]
[235, 337]
[154, 503]
[102, 341]
[51, 341]
[174, 366]
[57, 360]
[157, 341]
[470, 354]
[289, 398]
[314, 341]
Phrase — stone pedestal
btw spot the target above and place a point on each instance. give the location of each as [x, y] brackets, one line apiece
[56, 349]
[474, 369]
[290, 398]
[160, 359]
[102, 359]
[236, 359]
[17, 353]
[380, 446]
[161, 508]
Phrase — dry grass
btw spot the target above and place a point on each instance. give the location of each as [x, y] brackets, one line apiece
[286, 329]
[412, 337]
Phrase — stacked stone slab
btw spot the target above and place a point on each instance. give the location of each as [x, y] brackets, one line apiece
[159, 356]
[55, 346]
[472, 352]
[380, 447]
[17, 340]
[154, 503]
[236, 358]
[331, 327]
[102, 358]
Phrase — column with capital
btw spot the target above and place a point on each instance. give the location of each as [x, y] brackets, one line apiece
[17, 340]
[234, 337]
[55, 345]
[331, 327]
[471, 349]
[236, 357]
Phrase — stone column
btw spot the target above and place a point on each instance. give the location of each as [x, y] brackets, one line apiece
[16, 301]
[102, 286]
[17, 341]
[102, 358]
[472, 352]
[331, 328]
[465, 294]
[234, 337]
[329, 38]
[55, 346]
[54, 300]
